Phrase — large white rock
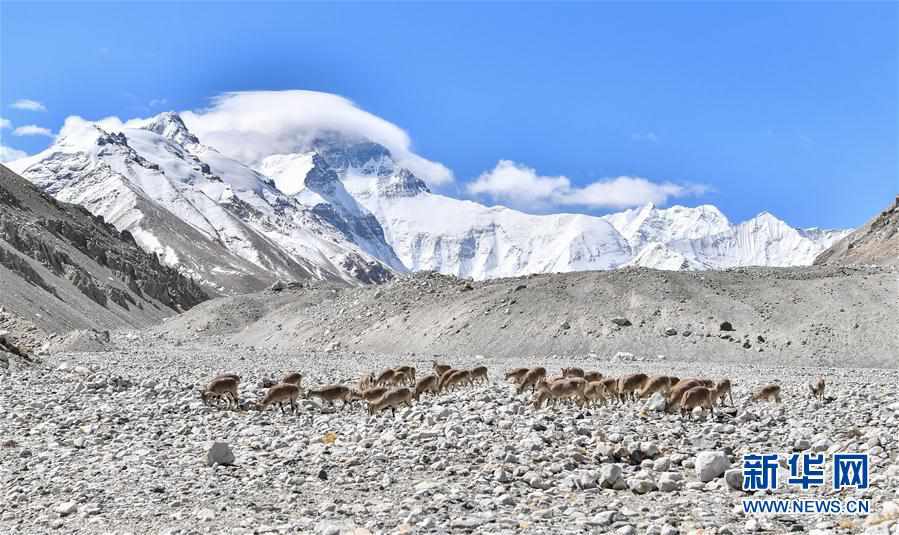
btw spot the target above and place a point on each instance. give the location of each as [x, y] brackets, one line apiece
[710, 464]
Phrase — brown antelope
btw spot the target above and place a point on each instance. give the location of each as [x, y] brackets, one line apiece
[294, 378]
[592, 377]
[222, 387]
[366, 382]
[427, 383]
[228, 375]
[455, 379]
[767, 393]
[479, 374]
[399, 378]
[516, 374]
[722, 390]
[386, 377]
[444, 376]
[370, 394]
[332, 393]
[595, 393]
[281, 393]
[708, 383]
[440, 369]
[698, 396]
[391, 400]
[567, 388]
[611, 386]
[573, 372]
[817, 388]
[679, 389]
[629, 385]
[531, 378]
[409, 372]
[657, 383]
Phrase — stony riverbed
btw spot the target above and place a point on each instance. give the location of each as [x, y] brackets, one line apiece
[118, 442]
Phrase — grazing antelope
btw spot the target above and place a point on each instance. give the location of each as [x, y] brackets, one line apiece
[444, 376]
[567, 388]
[399, 378]
[657, 383]
[294, 378]
[366, 382]
[516, 374]
[722, 389]
[456, 378]
[480, 374]
[708, 383]
[611, 384]
[386, 377]
[370, 394]
[592, 377]
[228, 375]
[281, 393]
[440, 369]
[698, 396]
[391, 400]
[767, 393]
[531, 378]
[678, 391]
[427, 383]
[595, 392]
[629, 385]
[817, 388]
[222, 387]
[573, 372]
[331, 393]
[409, 372]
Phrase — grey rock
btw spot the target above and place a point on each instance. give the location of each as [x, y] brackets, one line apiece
[219, 453]
[710, 464]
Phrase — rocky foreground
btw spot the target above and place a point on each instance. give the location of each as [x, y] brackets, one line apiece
[120, 442]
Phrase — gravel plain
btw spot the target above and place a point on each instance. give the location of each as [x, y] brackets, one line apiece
[118, 442]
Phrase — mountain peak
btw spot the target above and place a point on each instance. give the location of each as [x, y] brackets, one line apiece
[321, 178]
[170, 125]
[401, 184]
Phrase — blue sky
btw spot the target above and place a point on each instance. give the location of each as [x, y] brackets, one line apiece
[789, 108]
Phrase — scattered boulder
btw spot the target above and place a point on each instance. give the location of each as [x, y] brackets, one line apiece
[734, 478]
[710, 464]
[621, 322]
[726, 326]
[609, 474]
[656, 403]
[670, 331]
[219, 453]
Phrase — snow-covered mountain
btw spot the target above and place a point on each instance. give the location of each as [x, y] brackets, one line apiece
[429, 231]
[344, 209]
[213, 217]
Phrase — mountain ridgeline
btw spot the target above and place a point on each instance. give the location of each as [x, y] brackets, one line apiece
[63, 268]
[343, 210]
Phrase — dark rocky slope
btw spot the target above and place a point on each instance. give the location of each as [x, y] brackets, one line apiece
[61, 268]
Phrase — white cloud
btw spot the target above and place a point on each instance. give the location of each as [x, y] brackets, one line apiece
[158, 102]
[651, 137]
[5, 123]
[251, 125]
[8, 154]
[32, 130]
[28, 104]
[520, 186]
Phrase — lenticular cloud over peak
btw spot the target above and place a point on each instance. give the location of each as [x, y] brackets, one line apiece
[250, 125]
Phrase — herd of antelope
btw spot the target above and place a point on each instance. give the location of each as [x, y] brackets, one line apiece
[395, 387]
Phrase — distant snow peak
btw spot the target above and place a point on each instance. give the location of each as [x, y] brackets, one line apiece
[170, 126]
[344, 208]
